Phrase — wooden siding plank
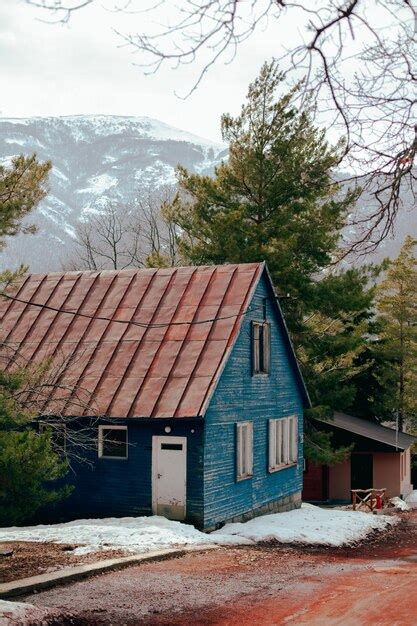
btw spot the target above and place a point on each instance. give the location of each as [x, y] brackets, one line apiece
[239, 396]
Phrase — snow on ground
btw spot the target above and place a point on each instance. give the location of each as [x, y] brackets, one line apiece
[20, 612]
[133, 534]
[411, 499]
[99, 184]
[399, 504]
[308, 525]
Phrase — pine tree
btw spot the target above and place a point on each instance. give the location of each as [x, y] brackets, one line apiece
[28, 462]
[22, 186]
[275, 200]
[397, 307]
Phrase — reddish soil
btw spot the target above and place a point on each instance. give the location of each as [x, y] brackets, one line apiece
[30, 558]
[272, 584]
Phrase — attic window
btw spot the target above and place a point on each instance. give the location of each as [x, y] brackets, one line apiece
[261, 347]
[112, 442]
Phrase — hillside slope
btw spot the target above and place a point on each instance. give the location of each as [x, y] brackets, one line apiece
[95, 159]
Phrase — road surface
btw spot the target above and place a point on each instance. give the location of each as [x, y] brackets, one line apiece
[374, 584]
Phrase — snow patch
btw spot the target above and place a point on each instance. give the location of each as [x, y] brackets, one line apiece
[56, 172]
[16, 120]
[399, 504]
[158, 174]
[16, 612]
[133, 534]
[309, 525]
[70, 231]
[411, 499]
[18, 142]
[99, 184]
[7, 160]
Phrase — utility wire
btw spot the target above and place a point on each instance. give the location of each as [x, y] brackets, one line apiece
[133, 323]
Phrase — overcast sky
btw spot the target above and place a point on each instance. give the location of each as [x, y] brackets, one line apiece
[82, 68]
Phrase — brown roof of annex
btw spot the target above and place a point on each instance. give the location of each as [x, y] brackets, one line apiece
[164, 361]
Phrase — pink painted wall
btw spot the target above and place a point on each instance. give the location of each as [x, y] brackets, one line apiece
[391, 470]
[406, 486]
[339, 481]
[387, 467]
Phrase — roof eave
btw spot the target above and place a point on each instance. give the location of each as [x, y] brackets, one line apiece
[395, 445]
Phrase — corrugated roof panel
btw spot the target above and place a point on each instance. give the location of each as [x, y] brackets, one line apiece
[167, 402]
[187, 358]
[164, 358]
[193, 395]
[162, 362]
[122, 402]
[210, 358]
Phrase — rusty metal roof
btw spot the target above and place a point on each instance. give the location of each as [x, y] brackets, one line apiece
[164, 362]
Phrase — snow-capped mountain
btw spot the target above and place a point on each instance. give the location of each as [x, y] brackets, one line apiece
[95, 158]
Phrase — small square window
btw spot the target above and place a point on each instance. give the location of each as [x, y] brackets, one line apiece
[112, 442]
[244, 450]
[283, 442]
[261, 347]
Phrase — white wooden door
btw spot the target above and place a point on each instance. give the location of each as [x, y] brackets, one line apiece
[169, 476]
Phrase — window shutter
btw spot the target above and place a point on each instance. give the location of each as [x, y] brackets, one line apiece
[286, 440]
[266, 347]
[244, 449]
[293, 439]
[279, 457]
[249, 467]
[255, 347]
[272, 444]
[238, 450]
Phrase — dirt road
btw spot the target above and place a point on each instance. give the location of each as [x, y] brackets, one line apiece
[374, 584]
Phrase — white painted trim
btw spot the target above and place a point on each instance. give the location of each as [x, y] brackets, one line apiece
[283, 424]
[248, 450]
[156, 441]
[100, 442]
[261, 332]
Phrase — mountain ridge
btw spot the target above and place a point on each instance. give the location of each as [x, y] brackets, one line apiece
[114, 158]
[96, 159]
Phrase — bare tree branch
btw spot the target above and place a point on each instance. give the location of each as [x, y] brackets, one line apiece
[73, 438]
[140, 235]
[358, 58]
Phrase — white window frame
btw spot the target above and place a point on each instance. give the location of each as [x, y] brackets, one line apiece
[244, 450]
[283, 442]
[101, 429]
[261, 331]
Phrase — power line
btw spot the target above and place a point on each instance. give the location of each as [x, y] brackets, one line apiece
[140, 324]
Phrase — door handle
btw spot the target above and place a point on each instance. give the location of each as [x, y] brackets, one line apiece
[159, 475]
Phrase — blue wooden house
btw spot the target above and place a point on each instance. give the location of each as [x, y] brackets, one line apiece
[194, 395]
